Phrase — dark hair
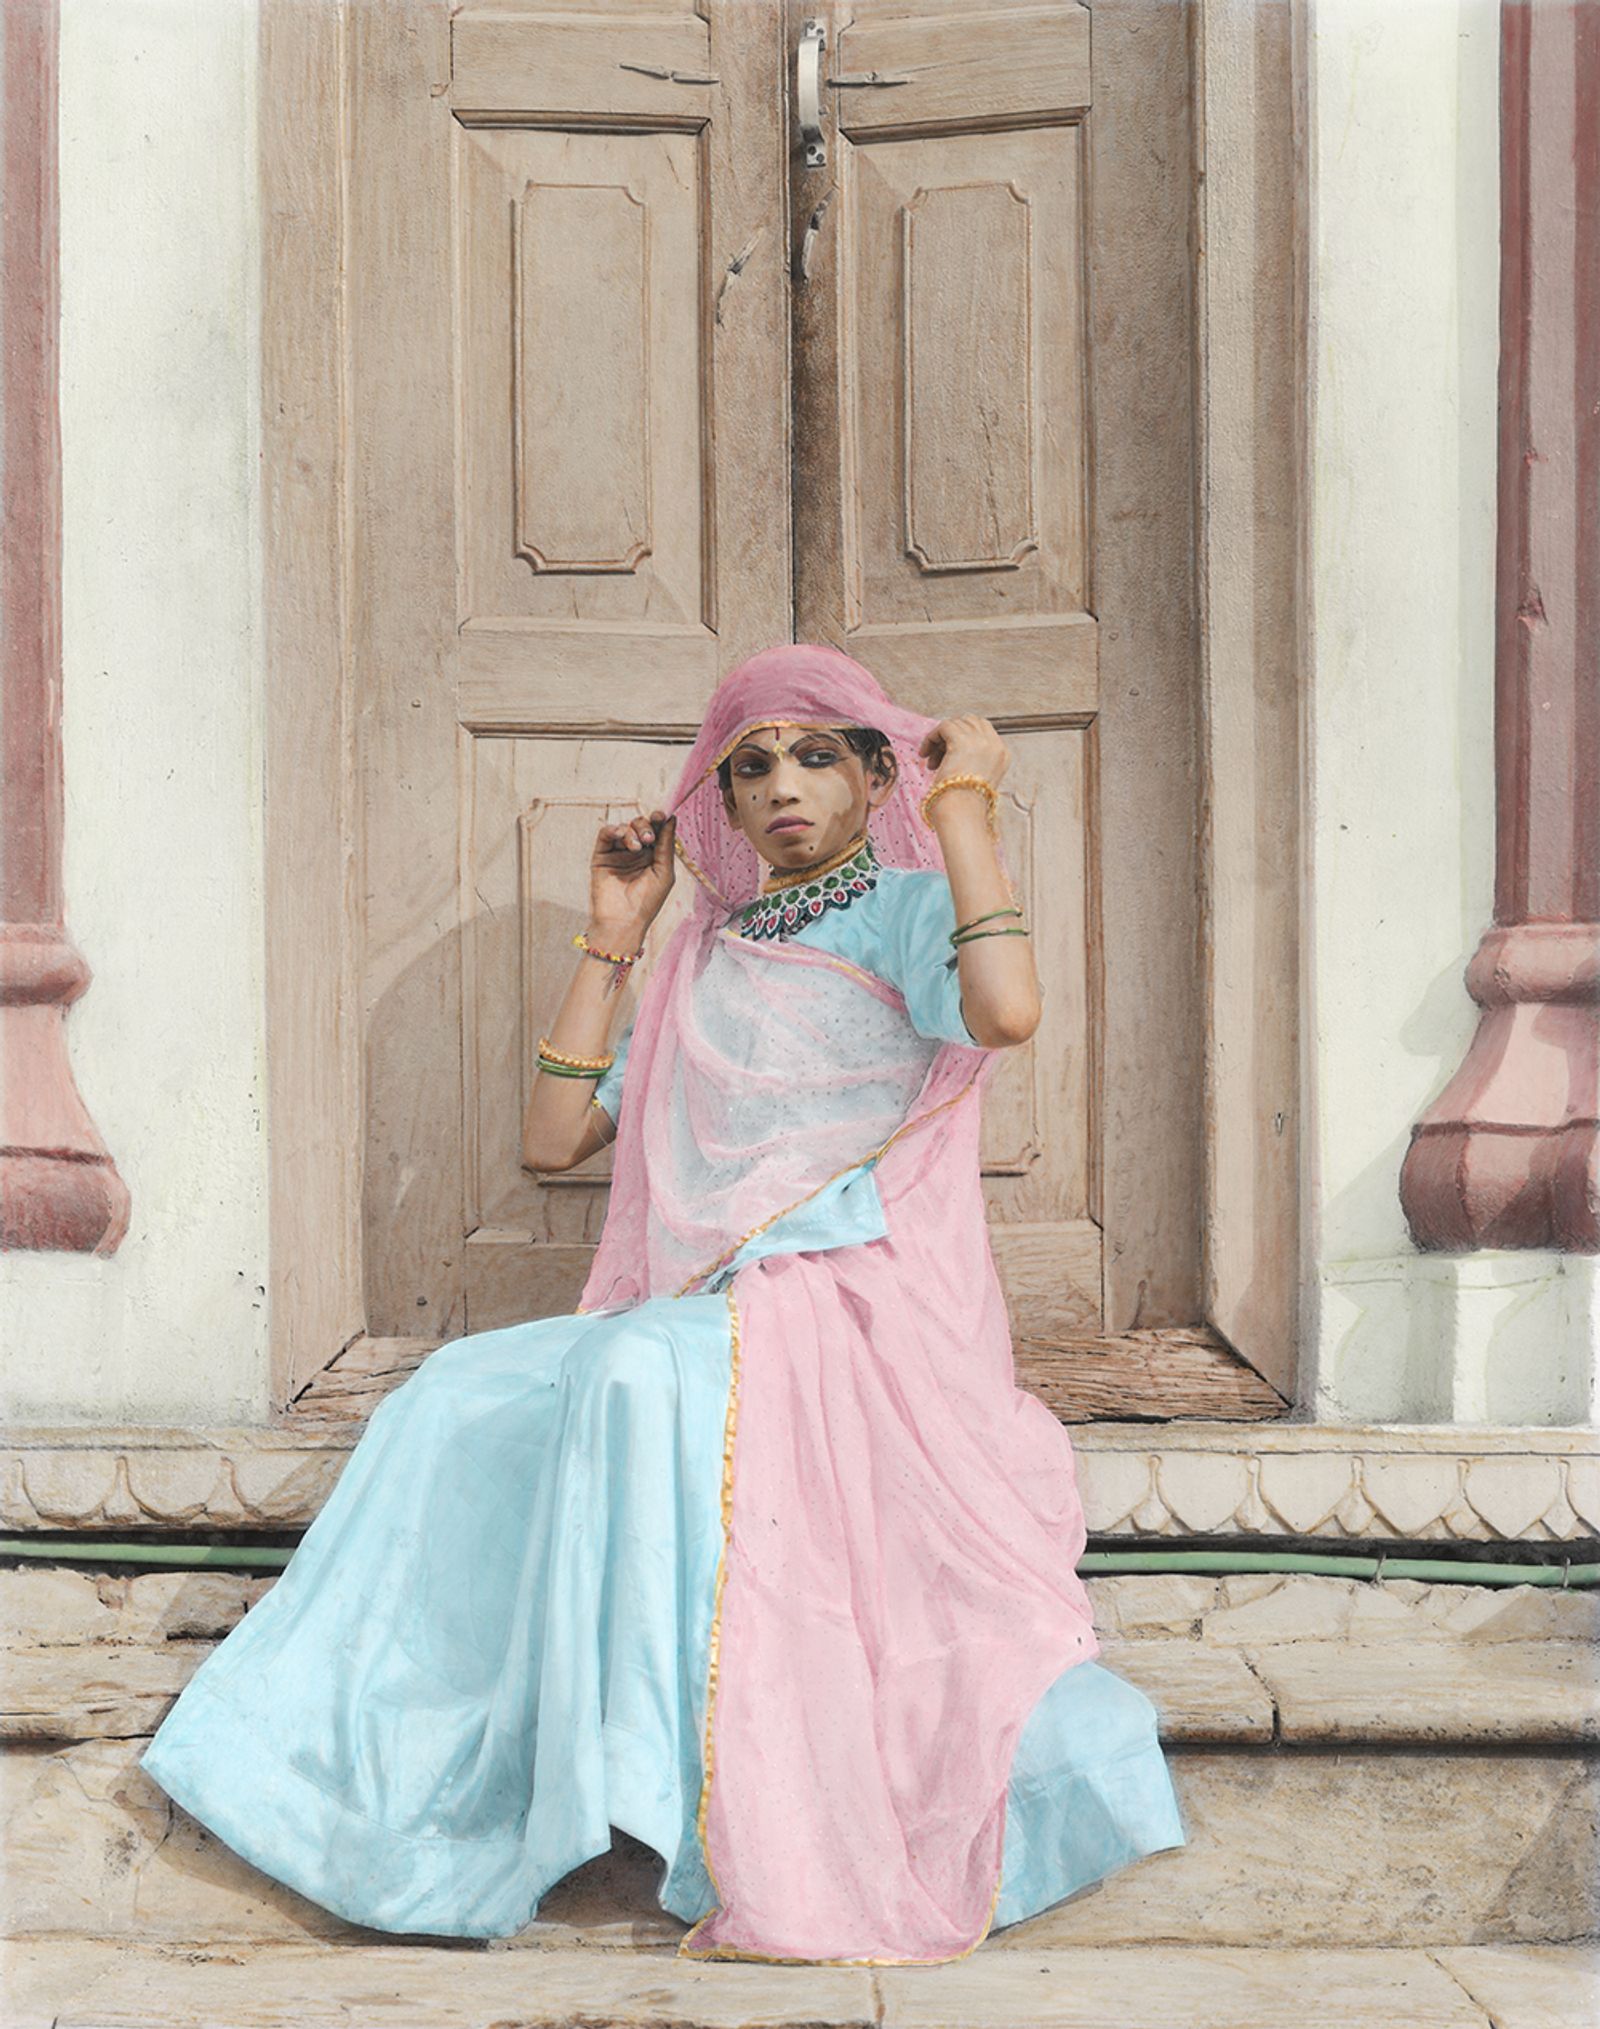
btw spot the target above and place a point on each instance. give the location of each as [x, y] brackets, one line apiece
[867, 741]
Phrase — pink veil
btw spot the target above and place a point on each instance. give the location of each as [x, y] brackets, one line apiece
[802, 685]
[657, 1234]
[901, 1524]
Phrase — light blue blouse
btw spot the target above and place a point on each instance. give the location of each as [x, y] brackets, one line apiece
[899, 930]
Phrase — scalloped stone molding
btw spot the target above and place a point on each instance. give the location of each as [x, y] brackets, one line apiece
[1141, 1481]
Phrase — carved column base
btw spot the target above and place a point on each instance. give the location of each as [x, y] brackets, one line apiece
[1508, 1155]
[58, 1185]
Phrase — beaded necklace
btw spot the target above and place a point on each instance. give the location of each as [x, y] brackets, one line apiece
[782, 913]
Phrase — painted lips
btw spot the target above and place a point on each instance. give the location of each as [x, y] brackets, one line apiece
[788, 824]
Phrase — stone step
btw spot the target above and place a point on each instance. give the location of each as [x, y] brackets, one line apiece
[1440, 1739]
[1410, 1848]
[96, 1984]
[1245, 1660]
[1545, 1693]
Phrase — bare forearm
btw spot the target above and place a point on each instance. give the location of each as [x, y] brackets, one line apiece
[999, 981]
[562, 1126]
[630, 872]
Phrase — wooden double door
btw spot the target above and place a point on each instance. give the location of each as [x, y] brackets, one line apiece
[642, 378]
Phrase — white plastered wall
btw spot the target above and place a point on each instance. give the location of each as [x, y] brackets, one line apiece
[163, 695]
[1404, 136]
[162, 722]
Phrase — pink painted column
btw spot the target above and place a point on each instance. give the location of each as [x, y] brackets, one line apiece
[1506, 1156]
[58, 1186]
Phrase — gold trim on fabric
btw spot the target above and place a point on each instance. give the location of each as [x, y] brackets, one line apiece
[730, 1428]
[860, 972]
[755, 725]
[713, 1675]
[816, 953]
[842, 965]
[730, 1425]
[731, 1952]
[704, 879]
[796, 877]
[872, 1155]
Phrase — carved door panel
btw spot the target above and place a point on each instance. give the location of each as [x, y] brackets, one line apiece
[946, 534]
[569, 412]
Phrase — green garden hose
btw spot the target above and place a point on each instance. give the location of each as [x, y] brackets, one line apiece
[1557, 1571]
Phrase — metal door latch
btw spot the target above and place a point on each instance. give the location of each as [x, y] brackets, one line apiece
[802, 262]
[675, 77]
[808, 81]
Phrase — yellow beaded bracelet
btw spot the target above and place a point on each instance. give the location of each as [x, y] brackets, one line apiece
[964, 782]
[610, 957]
[554, 1056]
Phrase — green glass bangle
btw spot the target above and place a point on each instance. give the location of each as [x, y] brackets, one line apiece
[566, 1070]
[956, 932]
[972, 936]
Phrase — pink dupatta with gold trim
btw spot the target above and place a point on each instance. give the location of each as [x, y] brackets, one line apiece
[901, 1522]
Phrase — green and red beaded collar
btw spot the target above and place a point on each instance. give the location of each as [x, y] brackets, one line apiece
[789, 908]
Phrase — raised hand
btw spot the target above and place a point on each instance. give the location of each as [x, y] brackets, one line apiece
[965, 745]
[631, 871]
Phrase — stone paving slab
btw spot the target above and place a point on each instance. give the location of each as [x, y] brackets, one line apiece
[95, 1691]
[1199, 1692]
[1435, 1693]
[1410, 1848]
[85, 1983]
[1310, 1848]
[420, 1987]
[53, 1605]
[45, 1605]
[1240, 1659]
[1245, 1608]
[1428, 1693]
[1548, 1987]
[1182, 1987]
[99, 1690]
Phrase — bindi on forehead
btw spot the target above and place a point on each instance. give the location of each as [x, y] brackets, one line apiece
[772, 740]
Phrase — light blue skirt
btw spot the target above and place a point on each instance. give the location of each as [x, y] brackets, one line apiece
[492, 1645]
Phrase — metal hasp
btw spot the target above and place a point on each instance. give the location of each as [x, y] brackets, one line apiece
[858, 80]
[808, 79]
